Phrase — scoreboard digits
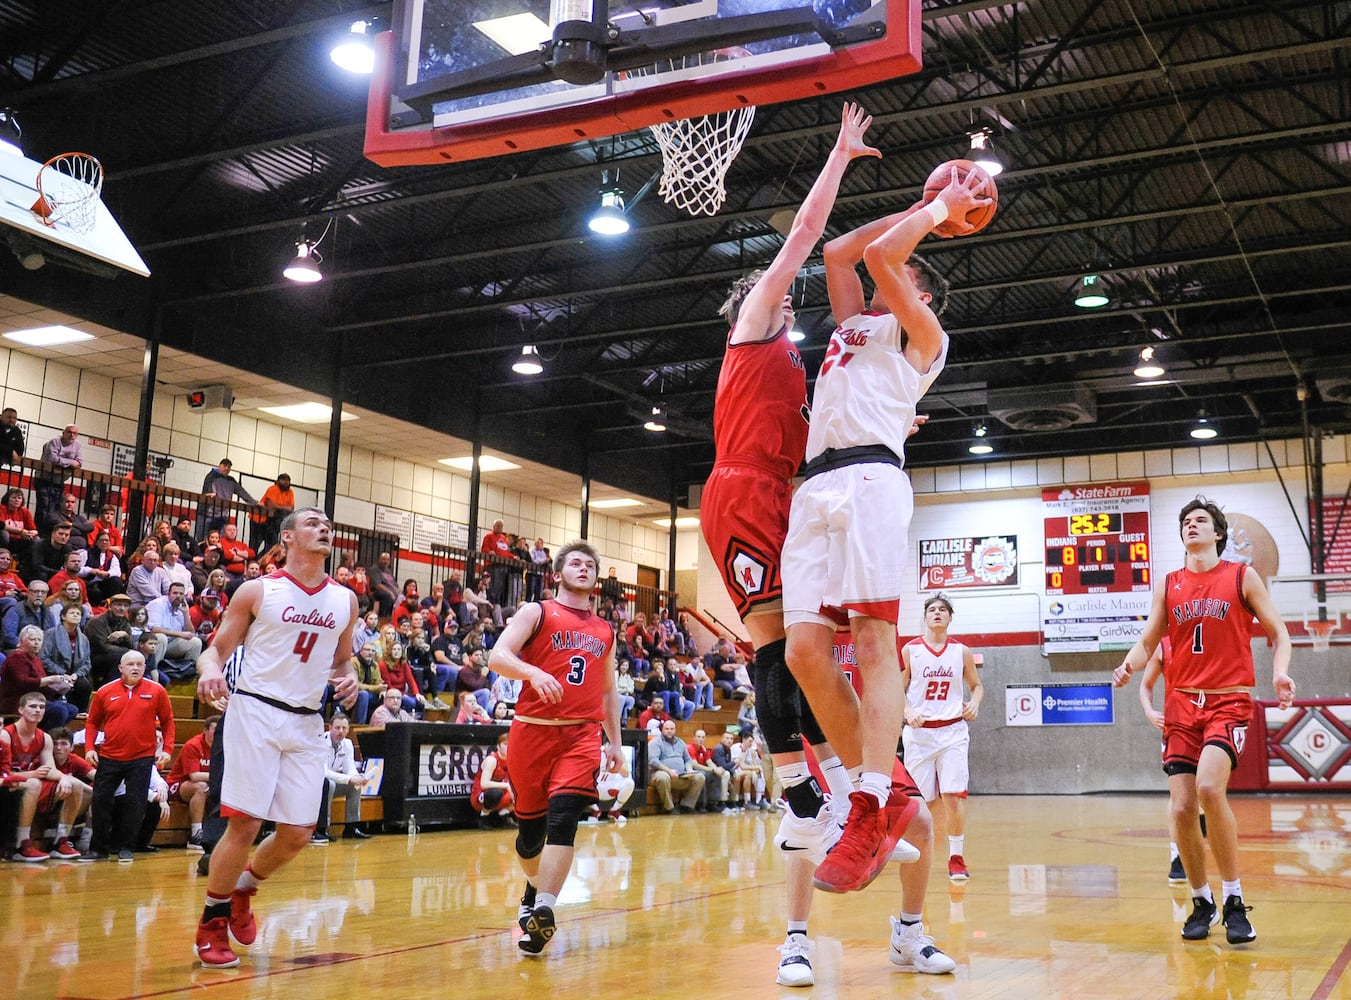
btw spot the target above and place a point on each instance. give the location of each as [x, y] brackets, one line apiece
[1102, 552]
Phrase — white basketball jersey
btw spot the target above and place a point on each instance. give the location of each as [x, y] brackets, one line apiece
[867, 391]
[291, 643]
[935, 690]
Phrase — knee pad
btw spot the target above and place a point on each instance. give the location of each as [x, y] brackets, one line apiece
[530, 836]
[565, 812]
[778, 701]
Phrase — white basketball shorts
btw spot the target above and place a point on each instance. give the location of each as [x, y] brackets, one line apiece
[848, 540]
[274, 762]
[937, 759]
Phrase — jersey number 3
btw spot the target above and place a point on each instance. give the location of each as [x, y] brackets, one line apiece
[577, 673]
[305, 645]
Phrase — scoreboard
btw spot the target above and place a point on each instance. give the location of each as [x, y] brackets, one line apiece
[1097, 552]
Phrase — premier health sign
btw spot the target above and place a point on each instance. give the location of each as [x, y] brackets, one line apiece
[1058, 705]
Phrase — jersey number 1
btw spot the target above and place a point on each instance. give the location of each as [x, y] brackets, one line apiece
[578, 672]
[1197, 646]
[305, 645]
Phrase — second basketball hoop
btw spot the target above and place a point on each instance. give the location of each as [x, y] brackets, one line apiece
[69, 186]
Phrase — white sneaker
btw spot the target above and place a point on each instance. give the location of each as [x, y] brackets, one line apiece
[904, 852]
[913, 951]
[814, 837]
[795, 969]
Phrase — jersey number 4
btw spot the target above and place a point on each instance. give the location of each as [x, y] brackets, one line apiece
[305, 645]
[577, 673]
[937, 691]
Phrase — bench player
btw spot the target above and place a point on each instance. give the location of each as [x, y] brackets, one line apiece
[296, 624]
[936, 736]
[1205, 609]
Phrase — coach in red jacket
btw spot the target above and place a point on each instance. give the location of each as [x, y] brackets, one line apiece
[130, 712]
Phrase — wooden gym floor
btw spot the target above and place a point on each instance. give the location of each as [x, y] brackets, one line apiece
[1068, 899]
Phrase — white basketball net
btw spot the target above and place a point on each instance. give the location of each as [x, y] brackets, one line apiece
[69, 186]
[697, 152]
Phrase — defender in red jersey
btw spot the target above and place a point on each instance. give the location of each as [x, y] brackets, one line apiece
[760, 432]
[566, 656]
[1205, 609]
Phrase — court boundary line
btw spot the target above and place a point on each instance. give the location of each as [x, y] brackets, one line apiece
[1334, 973]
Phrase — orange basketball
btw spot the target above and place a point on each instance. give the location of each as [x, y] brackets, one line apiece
[977, 217]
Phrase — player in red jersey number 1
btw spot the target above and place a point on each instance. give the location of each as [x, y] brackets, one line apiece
[1205, 610]
[566, 656]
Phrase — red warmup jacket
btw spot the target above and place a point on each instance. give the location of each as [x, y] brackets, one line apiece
[128, 717]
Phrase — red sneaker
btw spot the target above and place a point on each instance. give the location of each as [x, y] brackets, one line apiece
[850, 865]
[29, 852]
[213, 945]
[957, 869]
[242, 925]
[64, 850]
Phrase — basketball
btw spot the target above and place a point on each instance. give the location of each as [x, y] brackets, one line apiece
[980, 217]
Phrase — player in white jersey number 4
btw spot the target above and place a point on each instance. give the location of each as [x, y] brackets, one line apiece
[296, 625]
[936, 735]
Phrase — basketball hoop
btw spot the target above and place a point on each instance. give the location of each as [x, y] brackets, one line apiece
[69, 186]
[697, 152]
[1321, 635]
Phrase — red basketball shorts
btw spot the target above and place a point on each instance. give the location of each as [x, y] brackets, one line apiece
[1193, 721]
[552, 760]
[744, 515]
[46, 797]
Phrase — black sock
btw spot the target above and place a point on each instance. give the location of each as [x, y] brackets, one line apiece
[805, 799]
[214, 910]
[528, 897]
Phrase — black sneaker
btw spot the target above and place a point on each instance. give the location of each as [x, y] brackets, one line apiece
[125, 856]
[539, 930]
[204, 865]
[1204, 913]
[1176, 876]
[92, 855]
[1237, 927]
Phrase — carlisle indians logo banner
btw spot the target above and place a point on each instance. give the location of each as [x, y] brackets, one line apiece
[968, 563]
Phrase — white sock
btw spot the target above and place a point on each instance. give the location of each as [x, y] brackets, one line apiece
[1204, 893]
[62, 831]
[877, 784]
[545, 899]
[196, 830]
[248, 880]
[837, 778]
[792, 774]
[1172, 851]
[855, 775]
[797, 927]
[23, 833]
[1234, 888]
[955, 845]
[911, 918]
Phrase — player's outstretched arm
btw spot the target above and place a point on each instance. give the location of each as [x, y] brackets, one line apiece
[1144, 647]
[842, 257]
[1255, 593]
[234, 626]
[972, 677]
[758, 317]
[1153, 671]
[505, 657]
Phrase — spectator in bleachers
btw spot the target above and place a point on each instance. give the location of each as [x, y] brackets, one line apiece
[69, 511]
[670, 771]
[540, 560]
[361, 586]
[72, 571]
[49, 553]
[653, 717]
[103, 570]
[273, 559]
[32, 768]
[65, 650]
[384, 589]
[218, 489]
[235, 555]
[717, 778]
[745, 715]
[473, 678]
[174, 566]
[61, 456]
[148, 581]
[73, 794]
[506, 690]
[437, 603]
[455, 597]
[11, 437]
[205, 616]
[71, 594]
[611, 589]
[481, 603]
[725, 758]
[665, 687]
[749, 773]
[370, 685]
[447, 653]
[168, 618]
[417, 647]
[252, 571]
[409, 603]
[24, 673]
[278, 501]
[683, 630]
[11, 584]
[30, 611]
[19, 526]
[624, 685]
[163, 533]
[108, 522]
[472, 641]
[468, 712]
[390, 710]
[202, 567]
[498, 543]
[346, 578]
[138, 553]
[367, 630]
[694, 682]
[189, 778]
[397, 674]
[149, 645]
[341, 777]
[110, 636]
[670, 635]
[491, 791]
[503, 712]
[219, 582]
[189, 549]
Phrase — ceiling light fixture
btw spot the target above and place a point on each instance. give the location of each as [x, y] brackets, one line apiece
[1204, 429]
[47, 336]
[310, 412]
[1090, 292]
[609, 219]
[355, 52]
[1148, 367]
[304, 270]
[980, 446]
[615, 503]
[657, 421]
[10, 133]
[529, 362]
[983, 154]
[681, 522]
[486, 463]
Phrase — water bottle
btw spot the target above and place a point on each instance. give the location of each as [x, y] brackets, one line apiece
[412, 826]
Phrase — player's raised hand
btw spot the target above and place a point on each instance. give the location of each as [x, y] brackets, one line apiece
[546, 687]
[961, 196]
[854, 122]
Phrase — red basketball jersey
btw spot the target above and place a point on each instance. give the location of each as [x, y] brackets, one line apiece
[1208, 629]
[573, 647]
[25, 758]
[499, 774]
[760, 412]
